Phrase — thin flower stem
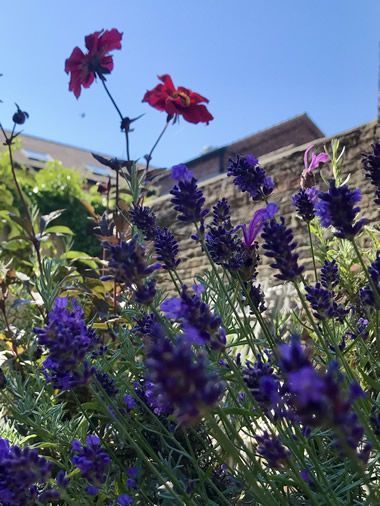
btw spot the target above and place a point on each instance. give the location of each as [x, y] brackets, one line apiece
[120, 114]
[312, 252]
[149, 156]
[34, 240]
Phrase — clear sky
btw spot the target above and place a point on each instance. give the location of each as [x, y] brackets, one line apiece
[258, 62]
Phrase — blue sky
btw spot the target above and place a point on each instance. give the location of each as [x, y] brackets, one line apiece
[259, 63]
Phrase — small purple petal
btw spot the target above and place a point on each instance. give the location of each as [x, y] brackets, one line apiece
[173, 308]
[181, 173]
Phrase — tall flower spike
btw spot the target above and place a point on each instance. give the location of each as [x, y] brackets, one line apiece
[199, 323]
[166, 248]
[179, 377]
[329, 275]
[69, 340]
[371, 166]
[250, 177]
[127, 265]
[279, 245]
[145, 220]
[93, 461]
[336, 208]
[304, 201]
[188, 198]
[21, 470]
[272, 449]
[97, 62]
[221, 214]
[178, 101]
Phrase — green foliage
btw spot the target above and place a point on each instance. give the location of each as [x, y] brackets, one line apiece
[56, 187]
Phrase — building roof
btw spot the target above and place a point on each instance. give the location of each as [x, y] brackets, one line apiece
[35, 152]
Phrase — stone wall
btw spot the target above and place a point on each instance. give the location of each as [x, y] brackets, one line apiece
[285, 169]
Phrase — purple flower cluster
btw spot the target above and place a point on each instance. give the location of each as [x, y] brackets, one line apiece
[127, 265]
[368, 296]
[221, 214]
[145, 220]
[93, 461]
[224, 247]
[166, 248]
[256, 298]
[279, 245]
[371, 166]
[187, 198]
[329, 275]
[107, 383]
[69, 340]
[250, 177]
[21, 471]
[336, 208]
[318, 399]
[272, 449]
[304, 201]
[262, 382]
[180, 378]
[323, 303]
[199, 324]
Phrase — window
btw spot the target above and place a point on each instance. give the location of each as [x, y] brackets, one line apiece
[95, 169]
[37, 155]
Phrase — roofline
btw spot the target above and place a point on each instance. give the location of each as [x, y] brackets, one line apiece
[215, 151]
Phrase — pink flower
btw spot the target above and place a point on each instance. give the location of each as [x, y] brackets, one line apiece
[257, 223]
[315, 159]
[97, 62]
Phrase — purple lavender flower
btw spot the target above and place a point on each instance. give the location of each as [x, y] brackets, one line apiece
[188, 198]
[336, 208]
[280, 246]
[107, 383]
[367, 295]
[124, 500]
[93, 461]
[224, 247]
[129, 402]
[262, 382]
[250, 177]
[323, 303]
[319, 399]
[166, 248]
[145, 220]
[304, 201]
[21, 470]
[199, 324]
[127, 265]
[180, 378]
[221, 215]
[180, 172]
[68, 340]
[272, 449]
[361, 331]
[371, 166]
[145, 323]
[329, 275]
[256, 298]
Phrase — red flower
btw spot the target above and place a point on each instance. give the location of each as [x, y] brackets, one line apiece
[165, 97]
[85, 67]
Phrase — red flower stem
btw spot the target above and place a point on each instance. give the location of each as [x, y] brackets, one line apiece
[119, 113]
[155, 144]
[35, 242]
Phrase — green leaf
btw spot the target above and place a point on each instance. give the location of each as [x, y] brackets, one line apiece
[47, 218]
[59, 229]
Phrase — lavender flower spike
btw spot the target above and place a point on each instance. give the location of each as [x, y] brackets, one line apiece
[336, 208]
[250, 177]
[188, 198]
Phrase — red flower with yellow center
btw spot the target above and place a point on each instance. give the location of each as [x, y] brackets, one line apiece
[180, 101]
[97, 62]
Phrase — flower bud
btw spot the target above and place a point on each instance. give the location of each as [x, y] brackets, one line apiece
[20, 116]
